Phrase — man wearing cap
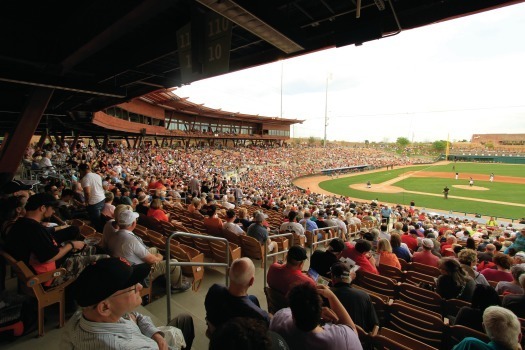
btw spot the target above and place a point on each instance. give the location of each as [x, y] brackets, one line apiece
[425, 256]
[125, 244]
[224, 303]
[108, 291]
[29, 241]
[260, 233]
[93, 194]
[282, 277]
[355, 301]
[322, 261]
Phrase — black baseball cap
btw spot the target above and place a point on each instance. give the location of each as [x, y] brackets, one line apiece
[337, 245]
[14, 186]
[104, 277]
[339, 269]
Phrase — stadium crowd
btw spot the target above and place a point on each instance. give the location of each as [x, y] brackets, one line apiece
[244, 188]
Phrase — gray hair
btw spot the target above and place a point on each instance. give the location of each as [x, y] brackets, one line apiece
[502, 326]
[242, 271]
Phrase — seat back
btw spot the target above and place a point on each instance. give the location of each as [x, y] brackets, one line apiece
[419, 279]
[377, 283]
[391, 272]
[388, 339]
[455, 334]
[380, 302]
[203, 246]
[251, 248]
[86, 230]
[451, 306]
[421, 297]
[275, 300]
[188, 254]
[218, 250]
[231, 236]
[425, 269]
[422, 326]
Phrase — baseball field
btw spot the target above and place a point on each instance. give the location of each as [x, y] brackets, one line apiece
[504, 197]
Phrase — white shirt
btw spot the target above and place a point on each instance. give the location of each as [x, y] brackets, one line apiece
[94, 182]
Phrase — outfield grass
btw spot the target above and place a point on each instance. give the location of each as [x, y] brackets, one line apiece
[483, 168]
[498, 191]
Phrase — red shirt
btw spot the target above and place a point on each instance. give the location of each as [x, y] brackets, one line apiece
[359, 258]
[158, 214]
[426, 257]
[410, 241]
[497, 275]
[282, 278]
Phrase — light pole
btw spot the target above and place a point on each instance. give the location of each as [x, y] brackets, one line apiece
[328, 77]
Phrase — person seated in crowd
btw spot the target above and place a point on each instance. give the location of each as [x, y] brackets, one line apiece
[111, 227]
[386, 257]
[68, 208]
[486, 256]
[518, 242]
[142, 206]
[212, 222]
[472, 316]
[229, 224]
[224, 303]
[451, 240]
[398, 248]
[309, 224]
[195, 205]
[125, 244]
[501, 326]
[425, 256]
[12, 208]
[356, 302]
[243, 219]
[454, 283]
[410, 239]
[109, 208]
[505, 287]
[43, 249]
[503, 263]
[468, 258]
[258, 231]
[108, 292]
[282, 277]
[321, 261]
[361, 254]
[516, 302]
[300, 324]
[155, 211]
[125, 198]
[242, 333]
[292, 225]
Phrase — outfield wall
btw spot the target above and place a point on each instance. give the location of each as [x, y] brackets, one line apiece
[485, 158]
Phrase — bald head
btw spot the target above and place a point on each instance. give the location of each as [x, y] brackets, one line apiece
[242, 272]
[490, 247]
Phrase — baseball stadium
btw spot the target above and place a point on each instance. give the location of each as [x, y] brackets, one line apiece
[134, 217]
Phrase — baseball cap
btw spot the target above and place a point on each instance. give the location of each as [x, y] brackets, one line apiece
[339, 269]
[297, 253]
[427, 243]
[14, 186]
[520, 255]
[337, 245]
[104, 277]
[127, 217]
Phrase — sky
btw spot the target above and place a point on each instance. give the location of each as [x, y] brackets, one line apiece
[443, 81]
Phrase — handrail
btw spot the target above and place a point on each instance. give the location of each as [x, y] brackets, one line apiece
[170, 263]
[314, 232]
[266, 255]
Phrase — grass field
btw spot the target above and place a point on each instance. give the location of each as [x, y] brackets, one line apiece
[503, 192]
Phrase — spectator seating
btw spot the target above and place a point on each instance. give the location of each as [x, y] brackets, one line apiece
[32, 285]
[275, 300]
[251, 248]
[218, 250]
[455, 334]
[184, 253]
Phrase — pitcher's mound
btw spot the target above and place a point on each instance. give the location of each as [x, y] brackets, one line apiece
[473, 188]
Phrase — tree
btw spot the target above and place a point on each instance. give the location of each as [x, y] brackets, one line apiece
[439, 146]
[311, 140]
[402, 142]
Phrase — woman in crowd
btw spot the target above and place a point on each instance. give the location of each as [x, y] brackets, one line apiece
[398, 249]
[156, 211]
[468, 259]
[454, 283]
[386, 257]
[502, 271]
[514, 287]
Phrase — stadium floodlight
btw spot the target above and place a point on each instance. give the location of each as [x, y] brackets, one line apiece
[240, 16]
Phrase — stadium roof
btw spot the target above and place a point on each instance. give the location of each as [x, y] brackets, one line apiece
[98, 53]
